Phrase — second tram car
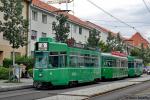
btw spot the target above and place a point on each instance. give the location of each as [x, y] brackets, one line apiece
[113, 66]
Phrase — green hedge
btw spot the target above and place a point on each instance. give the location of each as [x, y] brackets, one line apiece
[30, 71]
[4, 73]
[27, 61]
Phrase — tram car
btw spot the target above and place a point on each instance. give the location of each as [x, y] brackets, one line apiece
[114, 66]
[58, 64]
[135, 66]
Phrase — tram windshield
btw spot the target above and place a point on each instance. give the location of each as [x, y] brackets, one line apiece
[41, 60]
[130, 64]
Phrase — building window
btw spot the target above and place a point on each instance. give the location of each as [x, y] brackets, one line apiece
[75, 29]
[68, 25]
[80, 30]
[34, 35]
[34, 15]
[44, 18]
[44, 34]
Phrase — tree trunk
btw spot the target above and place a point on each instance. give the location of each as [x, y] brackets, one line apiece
[14, 69]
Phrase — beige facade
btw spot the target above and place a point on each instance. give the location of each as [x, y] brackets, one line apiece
[5, 48]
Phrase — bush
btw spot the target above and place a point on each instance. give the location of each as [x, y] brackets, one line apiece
[30, 71]
[4, 73]
[27, 61]
[7, 63]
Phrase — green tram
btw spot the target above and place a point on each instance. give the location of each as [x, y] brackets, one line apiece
[58, 64]
[135, 67]
[113, 66]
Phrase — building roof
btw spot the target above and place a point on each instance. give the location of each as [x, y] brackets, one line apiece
[93, 25]
[137, 39]
[50, 8]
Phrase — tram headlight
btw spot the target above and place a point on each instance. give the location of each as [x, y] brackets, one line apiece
[40, 75]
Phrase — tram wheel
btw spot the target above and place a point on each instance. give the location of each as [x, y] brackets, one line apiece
[73, 83]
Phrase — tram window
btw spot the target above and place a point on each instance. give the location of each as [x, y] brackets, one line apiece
[41, 60]
[81, 61]
[54, 59]
[58, 59]
[108, 63]
[118, 63]
[62, 59]
[87, 60]
[130, 64]
[123, 63]
[137, 64]
[73, 61]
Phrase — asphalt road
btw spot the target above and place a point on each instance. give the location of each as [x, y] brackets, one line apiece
[31, 94]
[135, 92]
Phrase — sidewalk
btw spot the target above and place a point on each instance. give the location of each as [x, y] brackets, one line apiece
[25, 83]
[83, 94]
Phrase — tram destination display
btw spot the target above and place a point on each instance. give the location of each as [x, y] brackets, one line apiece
[42, 46]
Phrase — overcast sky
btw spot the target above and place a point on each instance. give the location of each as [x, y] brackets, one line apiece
[133, 12]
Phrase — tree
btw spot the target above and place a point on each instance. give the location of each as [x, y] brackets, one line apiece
[61, 29]
[103, 46]
[142, 53]
[120, 45]
[70, 41]
[135, 52]
[94, 38]
[14, 27]
[111, 42]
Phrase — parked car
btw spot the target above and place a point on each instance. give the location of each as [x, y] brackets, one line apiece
[147, 70]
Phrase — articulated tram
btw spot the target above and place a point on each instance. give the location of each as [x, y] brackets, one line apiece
[58, 64]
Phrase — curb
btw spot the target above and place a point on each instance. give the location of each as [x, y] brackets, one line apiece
[97, 94]
[15, 88]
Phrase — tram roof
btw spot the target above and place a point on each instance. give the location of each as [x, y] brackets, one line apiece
[131, 58]
[83, 51]
[109, 54]
[139, 60]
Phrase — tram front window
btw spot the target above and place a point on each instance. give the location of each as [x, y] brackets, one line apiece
[41, 60]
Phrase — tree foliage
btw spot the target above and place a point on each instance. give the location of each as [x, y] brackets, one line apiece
[14, 26]
[62, 28]
[94, 38]
[111, 42]
[142, 53]
[115, 43]
[120, 45]
[135, 52]
[71, 41]
[103, 46]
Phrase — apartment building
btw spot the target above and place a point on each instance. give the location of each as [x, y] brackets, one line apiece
[41, 17]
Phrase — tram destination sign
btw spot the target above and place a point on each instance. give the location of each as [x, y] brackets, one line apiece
[43, 46]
